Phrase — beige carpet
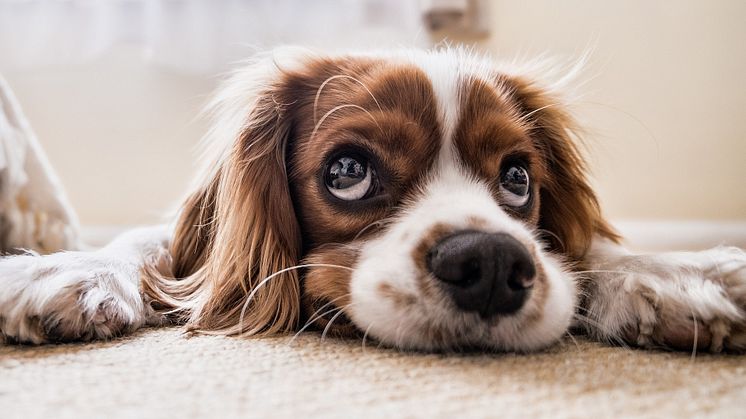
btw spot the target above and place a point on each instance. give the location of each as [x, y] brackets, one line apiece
[161, 373]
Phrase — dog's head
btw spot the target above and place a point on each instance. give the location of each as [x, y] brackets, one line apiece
[427, 199]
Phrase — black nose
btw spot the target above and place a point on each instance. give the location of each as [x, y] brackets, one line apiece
[487, 273]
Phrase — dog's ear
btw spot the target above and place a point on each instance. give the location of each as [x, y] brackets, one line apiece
[237, 233]
[569, 208]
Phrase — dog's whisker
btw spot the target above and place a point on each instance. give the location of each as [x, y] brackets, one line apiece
[369, 226]
[606, 332]
[602, 271]
[275, 275]
[316, 316]
[329, 325]
[696, 333]
[559, 240]
[309, 323]
[572, 338]
[331, 321]
[525, 118]
[365, 336]
[337, 108]
[340, 76]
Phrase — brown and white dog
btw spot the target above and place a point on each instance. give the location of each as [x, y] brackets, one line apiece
[430, 200]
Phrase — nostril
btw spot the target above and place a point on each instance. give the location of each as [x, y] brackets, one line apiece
[520, 283]
[522, 275]
[462, 270]
[464, 274]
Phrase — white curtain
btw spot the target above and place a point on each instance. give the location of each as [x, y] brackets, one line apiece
[198, 36]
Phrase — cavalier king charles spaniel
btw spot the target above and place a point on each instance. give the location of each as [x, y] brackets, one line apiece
[428, 200]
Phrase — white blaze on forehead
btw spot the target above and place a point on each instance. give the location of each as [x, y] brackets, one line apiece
[445, 74]
[449, 71]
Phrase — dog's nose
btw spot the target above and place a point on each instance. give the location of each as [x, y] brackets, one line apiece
[487, 273]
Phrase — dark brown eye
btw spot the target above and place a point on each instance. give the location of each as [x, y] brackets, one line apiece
[349, 178]
[514, 186]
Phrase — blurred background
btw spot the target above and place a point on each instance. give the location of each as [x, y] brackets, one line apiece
[113, 88]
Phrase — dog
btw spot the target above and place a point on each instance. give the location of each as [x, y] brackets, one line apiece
[428, 200]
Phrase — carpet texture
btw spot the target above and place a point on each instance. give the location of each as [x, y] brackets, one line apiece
[162, 373]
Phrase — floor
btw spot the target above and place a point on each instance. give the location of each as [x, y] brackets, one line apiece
[163, 373]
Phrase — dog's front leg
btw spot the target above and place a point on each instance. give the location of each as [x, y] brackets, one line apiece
[69, 296]
[668, 300]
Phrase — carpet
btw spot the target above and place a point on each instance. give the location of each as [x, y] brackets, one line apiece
[163, 373]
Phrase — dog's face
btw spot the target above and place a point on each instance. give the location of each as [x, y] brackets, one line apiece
[431, 199]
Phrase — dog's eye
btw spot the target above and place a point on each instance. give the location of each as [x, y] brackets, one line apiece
[349, 178]
[514, 186]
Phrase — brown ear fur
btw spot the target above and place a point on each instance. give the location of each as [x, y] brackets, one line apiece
[569, 208]
[234, 232]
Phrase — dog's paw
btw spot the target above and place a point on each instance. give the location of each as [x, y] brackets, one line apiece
[67, 297]
[674, 300]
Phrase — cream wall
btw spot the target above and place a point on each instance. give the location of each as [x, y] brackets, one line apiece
[664, 98]
[120, 134]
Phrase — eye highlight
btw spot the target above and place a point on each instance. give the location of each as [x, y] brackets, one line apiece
[349, 178]
[514, 185]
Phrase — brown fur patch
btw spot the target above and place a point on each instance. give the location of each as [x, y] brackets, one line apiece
[476, 223]
[393, 121]
[489, 133]
[401, 299]
[326, 289]
[430, 239]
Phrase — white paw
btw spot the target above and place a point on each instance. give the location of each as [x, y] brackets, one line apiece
[68, 296]
[674, 300]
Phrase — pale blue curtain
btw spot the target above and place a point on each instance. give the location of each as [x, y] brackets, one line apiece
[201, 36]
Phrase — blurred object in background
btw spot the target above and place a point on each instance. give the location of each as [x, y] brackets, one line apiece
[459, 19]
[34, 211]
[197, 35]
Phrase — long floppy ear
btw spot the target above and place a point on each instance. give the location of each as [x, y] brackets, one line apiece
[239, 227]
[569, 208]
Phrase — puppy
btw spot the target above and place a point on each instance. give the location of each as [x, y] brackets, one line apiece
[430, 200]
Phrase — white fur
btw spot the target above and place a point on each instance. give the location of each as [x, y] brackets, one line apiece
[446, 75]
[79, 295]
[659, 294]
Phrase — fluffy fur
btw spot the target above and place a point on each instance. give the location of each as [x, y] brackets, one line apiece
[261, 246]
